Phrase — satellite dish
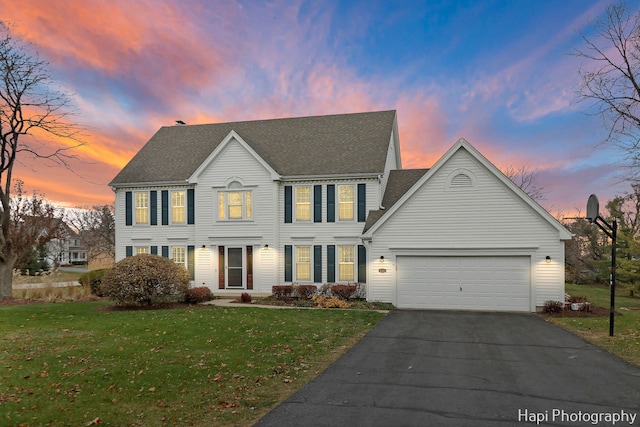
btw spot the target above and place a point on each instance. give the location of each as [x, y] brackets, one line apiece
[593, 208]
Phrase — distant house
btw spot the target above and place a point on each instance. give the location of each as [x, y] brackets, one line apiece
[248, 205]
[67, 249]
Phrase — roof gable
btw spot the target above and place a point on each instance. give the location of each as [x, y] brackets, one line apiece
[232, 136]
[303, 146]
[462, 144]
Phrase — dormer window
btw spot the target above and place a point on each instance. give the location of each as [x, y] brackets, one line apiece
[235, 203]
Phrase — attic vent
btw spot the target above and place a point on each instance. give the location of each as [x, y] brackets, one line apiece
[461, 180]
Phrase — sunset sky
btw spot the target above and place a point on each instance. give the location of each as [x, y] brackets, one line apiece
[498, 73]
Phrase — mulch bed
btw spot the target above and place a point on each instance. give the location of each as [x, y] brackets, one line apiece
[595, 312]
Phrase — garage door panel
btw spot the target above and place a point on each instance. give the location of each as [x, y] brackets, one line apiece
[468, 283]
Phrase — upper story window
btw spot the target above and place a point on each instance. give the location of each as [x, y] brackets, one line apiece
[235, 203]
[178, 211]
[346, 201]
[142, 208]
[303, 203]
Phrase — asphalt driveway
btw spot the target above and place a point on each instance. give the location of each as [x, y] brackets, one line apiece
[434, 368]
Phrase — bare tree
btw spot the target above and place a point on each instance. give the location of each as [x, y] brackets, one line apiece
[527, 180]
[33, 223]
[610, 79]
[29, 105]
[97, 230]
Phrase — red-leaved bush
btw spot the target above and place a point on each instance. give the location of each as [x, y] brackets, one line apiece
[343, 291]
[198, 295]
[144, 279]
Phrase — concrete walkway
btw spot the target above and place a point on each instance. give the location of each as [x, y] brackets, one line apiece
[44, 285]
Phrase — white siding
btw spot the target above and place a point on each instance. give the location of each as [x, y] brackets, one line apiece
[234, 162]
[486, 218]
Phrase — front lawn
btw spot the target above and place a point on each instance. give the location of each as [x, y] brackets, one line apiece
[626, 340]
[78, 364]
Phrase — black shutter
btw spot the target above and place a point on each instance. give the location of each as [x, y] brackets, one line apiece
[129, 251]
[154, 250]
[362, 264]
[191, 208]
[153, 207]
[317, 264]
[249, 267]
[128, 208]
[331, 263]
[165, 207]
[362, 202]
[165, 251]
[317, 203]
[288, 204]
[288, 263]
[191, 261]
[331, 203]
[221, 267]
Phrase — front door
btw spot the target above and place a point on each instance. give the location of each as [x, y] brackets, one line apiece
[235, 267]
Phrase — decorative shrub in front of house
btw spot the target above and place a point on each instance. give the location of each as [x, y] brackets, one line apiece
[551, 306]
[282, 292]
[245, 297]
[93, 279]
[198, 295]
[305, 291]
[145, 279]
[343, 291]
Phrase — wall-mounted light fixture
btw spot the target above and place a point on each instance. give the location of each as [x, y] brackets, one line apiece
[381, 258]
[547, 259]
[203, 248]
[266, 246]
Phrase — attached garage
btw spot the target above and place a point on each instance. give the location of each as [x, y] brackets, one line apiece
[464, 282]
[462, 236]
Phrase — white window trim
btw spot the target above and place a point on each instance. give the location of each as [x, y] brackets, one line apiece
[295, 203]
[184, 207]
[295, 264]
[171, 255]
[147, 250]
[353, 203]
[354, 264]
[225, 193]
[135, 208]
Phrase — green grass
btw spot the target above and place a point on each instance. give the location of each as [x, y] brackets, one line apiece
[626, 340]
[67, 364]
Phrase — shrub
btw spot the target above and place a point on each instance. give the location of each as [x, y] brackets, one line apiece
[551, 306]
[245, 297]
[144, 279]
[324, 301]
[198, 295]
[282, 292]
[325, 289]
[306, 291]
[343, 291]
[93, 279]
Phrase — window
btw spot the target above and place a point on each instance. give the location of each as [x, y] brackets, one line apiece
[178, 207]
[303, 203]
[346, 263]
[235, 205]
[345, 202]
[303, 263]
[178, 255]
[142, 208]
[142, 250]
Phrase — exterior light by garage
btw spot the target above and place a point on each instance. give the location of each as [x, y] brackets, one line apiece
[547, 259]
[381, 258]
[266, 247]
[203, 247]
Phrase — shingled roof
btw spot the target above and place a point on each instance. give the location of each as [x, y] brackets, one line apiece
[302, 146]
[399, 182]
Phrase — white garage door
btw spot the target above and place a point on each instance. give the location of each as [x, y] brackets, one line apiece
[464, 283]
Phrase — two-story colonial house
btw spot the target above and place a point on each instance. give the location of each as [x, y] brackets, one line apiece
[248, 205]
